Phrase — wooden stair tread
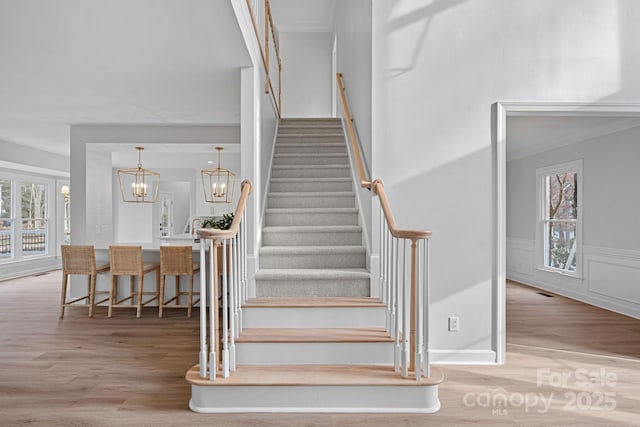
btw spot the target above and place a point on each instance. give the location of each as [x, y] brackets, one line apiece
[310, 375]
[314, 302]
[313, 335]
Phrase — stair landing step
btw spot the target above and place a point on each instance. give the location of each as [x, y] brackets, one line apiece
[313, 335]
[314, 302]
[302, 375]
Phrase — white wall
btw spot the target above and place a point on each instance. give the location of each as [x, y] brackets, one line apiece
[353, 60]
[306, 74]
[438, 67]
[611, 238]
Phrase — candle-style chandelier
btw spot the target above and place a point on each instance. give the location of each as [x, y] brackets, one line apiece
[139, 185]
[218, 183]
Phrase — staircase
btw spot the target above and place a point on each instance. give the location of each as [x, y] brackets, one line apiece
[313, 340]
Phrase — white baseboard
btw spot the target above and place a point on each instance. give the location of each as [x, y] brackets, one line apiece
[463, 357]
[588, 298]
[14, 270]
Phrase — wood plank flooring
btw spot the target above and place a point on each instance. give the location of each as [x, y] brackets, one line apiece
[125, 371]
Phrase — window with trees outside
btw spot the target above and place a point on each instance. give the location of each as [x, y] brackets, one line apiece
[559, 231]
[24, 218]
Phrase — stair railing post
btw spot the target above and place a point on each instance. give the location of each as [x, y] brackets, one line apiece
[412, 304]
[405, 313]
[225, 311]
[213, 309]
[244, 256]
[427, 346]
[203, 309]
[419, 307]
[397, 324]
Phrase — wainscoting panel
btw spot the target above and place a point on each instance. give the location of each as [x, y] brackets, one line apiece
[610, 277]
[614, 274]
[520, 256]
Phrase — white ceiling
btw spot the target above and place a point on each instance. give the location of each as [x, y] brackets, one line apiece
[528, 135]
[116, 61]
[304, 15]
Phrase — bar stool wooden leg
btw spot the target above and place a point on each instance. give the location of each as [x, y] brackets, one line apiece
[161, 299]
[140, 288]
[63, 298]
[92, 293]
[113, 293]
[132, 287]
[190, 296]
[178, 289]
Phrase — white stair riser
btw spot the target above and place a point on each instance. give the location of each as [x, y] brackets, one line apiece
[339, 260]
[315, 186]
[315, 399]
[312, 288]
[313, 317]
[317, 201]
[311, 148]
[309, 130]
[304, 138]
[321, 353]
[337, 218]
[302, 172]
[294, 238]
[301, 159]
[319, 121]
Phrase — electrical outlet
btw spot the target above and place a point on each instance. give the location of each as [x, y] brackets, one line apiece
[454, 324]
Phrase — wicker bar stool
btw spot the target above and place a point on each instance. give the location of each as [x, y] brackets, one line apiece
[127, 261]
[177, 261]
[80, 260]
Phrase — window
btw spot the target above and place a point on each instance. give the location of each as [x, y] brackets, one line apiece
[559, 230]
[6, 220]
[25, 229]
[34, 219]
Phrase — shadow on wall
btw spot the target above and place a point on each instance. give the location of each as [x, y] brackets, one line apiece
[461, 269]
[423, 16]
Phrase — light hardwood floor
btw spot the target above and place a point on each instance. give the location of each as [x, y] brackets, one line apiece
[126, 371]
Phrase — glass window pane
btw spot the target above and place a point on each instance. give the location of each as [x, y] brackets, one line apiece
[6, 224]
[5, 198]
[34, 219]
[562, 196]
[561, 245]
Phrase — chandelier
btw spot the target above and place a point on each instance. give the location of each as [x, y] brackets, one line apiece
[218, 183]
[139, 185]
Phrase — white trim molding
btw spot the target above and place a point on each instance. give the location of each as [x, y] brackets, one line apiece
[503, 110]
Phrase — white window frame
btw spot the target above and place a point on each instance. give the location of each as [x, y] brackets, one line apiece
[541, 174]
[17, 180]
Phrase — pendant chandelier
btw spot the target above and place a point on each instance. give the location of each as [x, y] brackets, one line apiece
[218, 183]
[139, 185]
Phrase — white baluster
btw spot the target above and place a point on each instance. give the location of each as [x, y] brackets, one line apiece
[405, 311]
[232, 305]
[427, 312]
[396, 307]
[213, 312]
[419, 314]
[381, 257]
[236, 285]
[244, 257]
[203, 310]
[225, 312]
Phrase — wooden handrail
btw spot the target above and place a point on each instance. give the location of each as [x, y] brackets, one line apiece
[217, 235]
[265, 59]
[378, 189]
[364, 181]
